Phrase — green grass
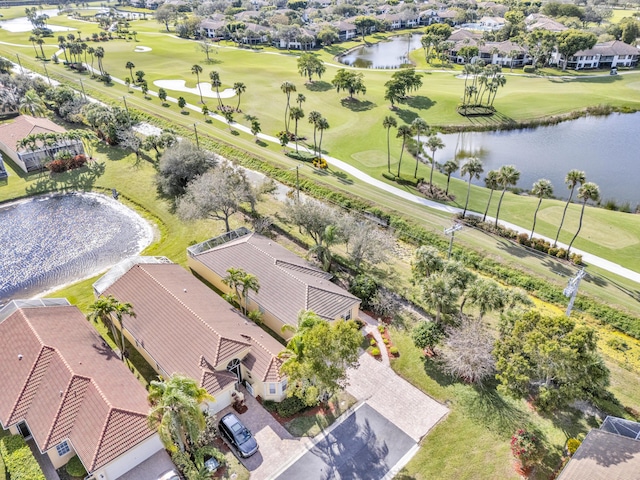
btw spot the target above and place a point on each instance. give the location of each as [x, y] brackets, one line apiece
[472, 442]
[312, 425]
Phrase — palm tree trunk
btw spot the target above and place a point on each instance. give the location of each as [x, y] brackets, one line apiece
[388, 151]
[488, 203]
[499, 205]
[320, 144]
[122, 340]
[433, 164]
[584, 204]
[315, 144]
[535, 215]
[401, 152]
[466, 203]
[448, 180]
[564, 212]
[295, 134]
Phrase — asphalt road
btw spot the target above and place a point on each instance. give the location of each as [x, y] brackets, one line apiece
[365, 446]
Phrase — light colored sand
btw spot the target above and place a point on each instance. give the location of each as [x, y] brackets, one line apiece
[140, 48]
[207, 91]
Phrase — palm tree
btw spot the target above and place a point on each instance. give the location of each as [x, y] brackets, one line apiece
[120, 310]
[473, 168]
[487, 295]
[491, 182]
[588, 191]
[323, 125]
[101, 310]
[239, 88]
[296, 113]
[197, 70]
[404, 132]
[130, 66]
[40, 42]
[434, 143]
[419, 126]
[287, 88]
[541, 189]
[507, 176]
[314, 117]
[388, 123]
[99, 53]
[573, 178]
[437, 293]
[176, 412]
[449, 168]
[216, 83]
[242, 283]
[91, 51]
[300, 99]
[33, 39]
[32, 104]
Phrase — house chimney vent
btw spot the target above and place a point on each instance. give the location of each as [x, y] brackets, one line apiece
[20, 356]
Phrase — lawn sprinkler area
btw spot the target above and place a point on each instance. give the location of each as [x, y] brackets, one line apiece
[180, 86]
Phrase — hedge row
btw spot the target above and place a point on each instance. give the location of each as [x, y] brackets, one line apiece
[20, 462]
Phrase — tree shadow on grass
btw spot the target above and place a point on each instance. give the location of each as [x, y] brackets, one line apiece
[342, 177]
[114, 154]
[356, 105]
[433, 370]
[407, 116]
[420, 102]
[567, 420]
[81, 179]
[318, 86]
[261, 143]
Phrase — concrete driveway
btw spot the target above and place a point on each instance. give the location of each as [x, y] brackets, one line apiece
[276, 445]
[365, 446]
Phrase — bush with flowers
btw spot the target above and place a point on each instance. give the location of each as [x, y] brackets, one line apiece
[527, 448]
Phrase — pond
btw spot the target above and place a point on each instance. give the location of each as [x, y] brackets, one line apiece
[53, 240]
[606, 148]
[386, 54]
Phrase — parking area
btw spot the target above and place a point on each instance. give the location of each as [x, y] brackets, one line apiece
[365, 446]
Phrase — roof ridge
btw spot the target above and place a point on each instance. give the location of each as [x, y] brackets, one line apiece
[343, 295]
[67, 391]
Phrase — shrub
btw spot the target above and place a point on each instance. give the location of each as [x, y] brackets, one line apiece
[572, 445]
[618, 344]
[375, 352]
[20, 462]
[385, 341]
[527, 448]
[381, 328]
[75, 468]
[302, 156]
[56, 166]
[270, 405]
[529, 69]
[364, 288]
[290, 406]
[373, 342]
[394, 351]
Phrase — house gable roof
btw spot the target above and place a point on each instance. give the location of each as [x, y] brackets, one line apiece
[23, 125]
[614, 47]
[185, 326]
[288, 284]
[66, 384]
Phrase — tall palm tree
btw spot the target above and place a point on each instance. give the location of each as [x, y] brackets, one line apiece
[176, 411]
[473, 168]
[508, 176]
[404, 132]
[32, 104]
[449, 168]
[242, 283]
[287, 88]
[314, 117]
[130, 66]
[40, 42]
[572, 179]
[197, 70]
[122, 309]
[491, 182]
[91, 51]
[33, 39]
[99, 53]
[433, 143]
[487, 295]
[102, 309]
[438, 294]
[296, 113]
[323, 125]
[300, 99]
[239, 88]
[588, 191]
[216, 83]
[419, 126]
[541, 189]
[389, 122]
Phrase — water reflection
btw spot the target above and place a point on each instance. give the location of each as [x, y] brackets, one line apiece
[55, 239]
[386, 54]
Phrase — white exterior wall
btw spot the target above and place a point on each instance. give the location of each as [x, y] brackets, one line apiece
[222, 401]
[58, 460]
[11, 153]
[130, 459]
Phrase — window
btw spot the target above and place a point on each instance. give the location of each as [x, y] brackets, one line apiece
[348, 315]
[63, 448]
[272, 389]
[283, 385]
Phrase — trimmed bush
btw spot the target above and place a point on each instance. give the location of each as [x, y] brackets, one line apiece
[572, 445]
[3, 470]
[290, 406]
[270, 405]
[394, 351]
[75, 468]
[529, 69]
[373, 342]
[20, 462]
[381, 328]
[375, 352]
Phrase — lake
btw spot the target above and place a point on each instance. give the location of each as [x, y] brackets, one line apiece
[606, 148]
[390, 54]
[52, 240]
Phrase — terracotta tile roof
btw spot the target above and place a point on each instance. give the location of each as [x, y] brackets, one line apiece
[64, 382]
[288, 284]
[186, 327]
[23, 125]
[263, 365]
[614, 47]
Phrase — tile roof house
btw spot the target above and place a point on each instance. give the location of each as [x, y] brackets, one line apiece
[606, 55]
[288, 284]
[611, 452]
[31, 160]
[67, 390]
[182, 326]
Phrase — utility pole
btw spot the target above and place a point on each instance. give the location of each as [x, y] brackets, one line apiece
[20, 63]
[124, 99]
[83, 92]
[195, 130]
[571, 290]
[452, 231]
[46, 72]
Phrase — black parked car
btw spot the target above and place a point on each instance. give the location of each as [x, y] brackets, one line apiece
[238, 436]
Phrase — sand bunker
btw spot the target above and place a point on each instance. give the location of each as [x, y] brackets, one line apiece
[207, 91]
[141, 49]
